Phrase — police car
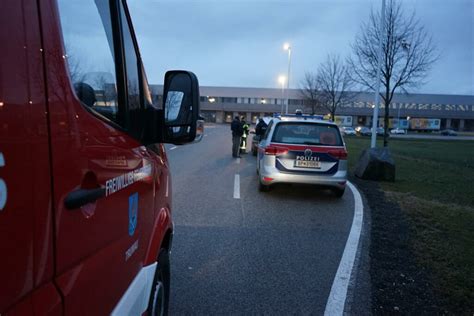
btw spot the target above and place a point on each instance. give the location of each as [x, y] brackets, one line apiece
[302, 149]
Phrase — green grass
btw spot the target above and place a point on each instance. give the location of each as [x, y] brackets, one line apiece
[435, 188]
[430, 169]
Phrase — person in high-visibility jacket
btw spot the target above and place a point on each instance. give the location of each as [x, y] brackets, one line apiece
[243, 143]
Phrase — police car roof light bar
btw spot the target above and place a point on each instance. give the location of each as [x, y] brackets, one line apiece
[300, 116]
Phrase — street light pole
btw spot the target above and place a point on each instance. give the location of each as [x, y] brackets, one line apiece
[288, 48]
[375, 117]
[281, 80]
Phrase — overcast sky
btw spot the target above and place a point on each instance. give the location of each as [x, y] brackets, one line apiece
[240, 42]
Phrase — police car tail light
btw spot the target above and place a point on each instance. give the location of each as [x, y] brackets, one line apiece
[338, 153]
[275, 150]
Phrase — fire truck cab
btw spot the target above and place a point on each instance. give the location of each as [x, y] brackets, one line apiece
[85, 187]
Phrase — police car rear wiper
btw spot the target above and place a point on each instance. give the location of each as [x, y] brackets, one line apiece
[311, 143]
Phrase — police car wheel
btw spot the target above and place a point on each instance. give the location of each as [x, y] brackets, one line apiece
[160, 290]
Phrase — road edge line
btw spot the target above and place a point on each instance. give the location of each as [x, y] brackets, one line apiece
[337, 296]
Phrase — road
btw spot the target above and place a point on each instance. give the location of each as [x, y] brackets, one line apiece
[252, 252]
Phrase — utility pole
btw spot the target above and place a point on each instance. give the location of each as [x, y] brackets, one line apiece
[375, 117]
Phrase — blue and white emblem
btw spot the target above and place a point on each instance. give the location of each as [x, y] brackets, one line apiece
[132, 213]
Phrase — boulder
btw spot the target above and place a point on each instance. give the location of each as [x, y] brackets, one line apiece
[376, 164]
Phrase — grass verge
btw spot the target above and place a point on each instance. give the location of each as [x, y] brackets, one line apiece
[434, 189]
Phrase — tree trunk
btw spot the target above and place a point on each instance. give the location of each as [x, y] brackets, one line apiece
[385, 129]
[387, 112]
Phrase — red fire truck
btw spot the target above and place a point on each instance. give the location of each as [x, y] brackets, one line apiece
[85, 187]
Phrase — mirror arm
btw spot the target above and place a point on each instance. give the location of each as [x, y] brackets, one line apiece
[154, 129]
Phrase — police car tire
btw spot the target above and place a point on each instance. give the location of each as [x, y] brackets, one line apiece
[339, 192]
[162, 275]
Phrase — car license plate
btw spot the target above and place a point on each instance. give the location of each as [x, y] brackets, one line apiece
[307, 164]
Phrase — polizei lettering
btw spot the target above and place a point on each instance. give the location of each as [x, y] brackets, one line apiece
[124, 180]
[307, 158]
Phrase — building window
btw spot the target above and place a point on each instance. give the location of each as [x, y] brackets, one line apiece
[229, 100]
[295, 102]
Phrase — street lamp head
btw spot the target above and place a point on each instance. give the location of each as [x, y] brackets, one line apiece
[286, 46]
[281, 79]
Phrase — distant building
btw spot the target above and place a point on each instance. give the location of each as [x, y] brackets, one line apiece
[440, 111]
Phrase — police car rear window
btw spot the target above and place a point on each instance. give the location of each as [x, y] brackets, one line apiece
[307, 134]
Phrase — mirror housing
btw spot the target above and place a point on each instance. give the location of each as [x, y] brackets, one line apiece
[180, 107]
[178, 122]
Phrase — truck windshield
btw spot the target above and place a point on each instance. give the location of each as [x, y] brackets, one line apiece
[307, 133]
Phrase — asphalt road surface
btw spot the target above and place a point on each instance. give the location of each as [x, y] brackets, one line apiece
[251, 252]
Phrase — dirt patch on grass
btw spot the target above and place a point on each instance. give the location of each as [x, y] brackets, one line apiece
[411, 201]
[422, 239]
[399, 283]
[444, 244]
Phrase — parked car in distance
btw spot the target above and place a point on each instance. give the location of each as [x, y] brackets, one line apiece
[379, 131]
[302, 150]
[398, 131]
[348, 131]
[364, 131]
[448, 132]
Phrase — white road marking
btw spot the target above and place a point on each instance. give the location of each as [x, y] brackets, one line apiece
[237, 187]
[174, 147]
[237, 160]
[205, 135]
[338, 294]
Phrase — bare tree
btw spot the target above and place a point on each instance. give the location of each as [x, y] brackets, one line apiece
[408, 54]
[334, 82]
[309, 90]
[106, 85]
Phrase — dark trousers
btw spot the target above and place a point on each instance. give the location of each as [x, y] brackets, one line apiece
[235, 145]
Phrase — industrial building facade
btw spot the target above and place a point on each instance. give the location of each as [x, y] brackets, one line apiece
[415, 111]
